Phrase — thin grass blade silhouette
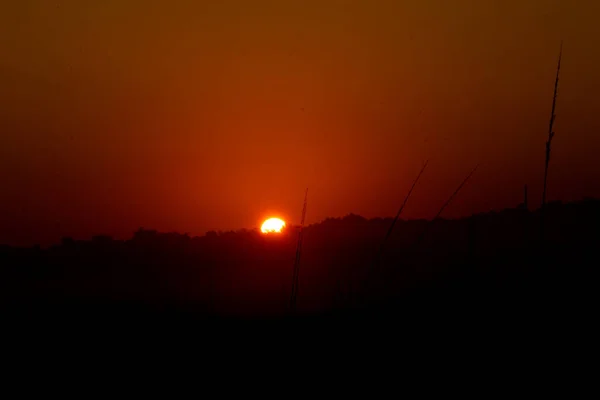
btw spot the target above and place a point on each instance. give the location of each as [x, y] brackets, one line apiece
[456, 192]
[422, 236]
[296, 271]
[377, 261]
[551, 127]
[549, 146]
[391, 228]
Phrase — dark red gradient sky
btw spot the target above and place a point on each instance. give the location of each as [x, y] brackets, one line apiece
[190, 116]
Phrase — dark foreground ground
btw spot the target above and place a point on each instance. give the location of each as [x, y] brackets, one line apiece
[491, 271]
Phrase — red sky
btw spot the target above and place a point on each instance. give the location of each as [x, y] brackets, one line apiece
[186, 116]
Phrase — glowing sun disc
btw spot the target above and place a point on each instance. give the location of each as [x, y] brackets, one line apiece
[272, 225]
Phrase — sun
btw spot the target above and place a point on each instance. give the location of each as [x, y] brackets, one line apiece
[272, 225]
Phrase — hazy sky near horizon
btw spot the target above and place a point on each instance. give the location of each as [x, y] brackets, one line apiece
[190, 116]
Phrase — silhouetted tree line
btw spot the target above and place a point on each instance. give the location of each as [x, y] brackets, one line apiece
[482, 262]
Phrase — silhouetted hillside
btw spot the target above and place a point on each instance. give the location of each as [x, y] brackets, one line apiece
[492, 262]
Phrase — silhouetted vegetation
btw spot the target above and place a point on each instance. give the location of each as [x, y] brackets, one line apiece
[487, 263]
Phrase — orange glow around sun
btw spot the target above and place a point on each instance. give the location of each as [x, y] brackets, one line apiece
[272, 225]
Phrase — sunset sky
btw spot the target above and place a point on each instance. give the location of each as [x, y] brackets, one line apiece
[187, 115]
